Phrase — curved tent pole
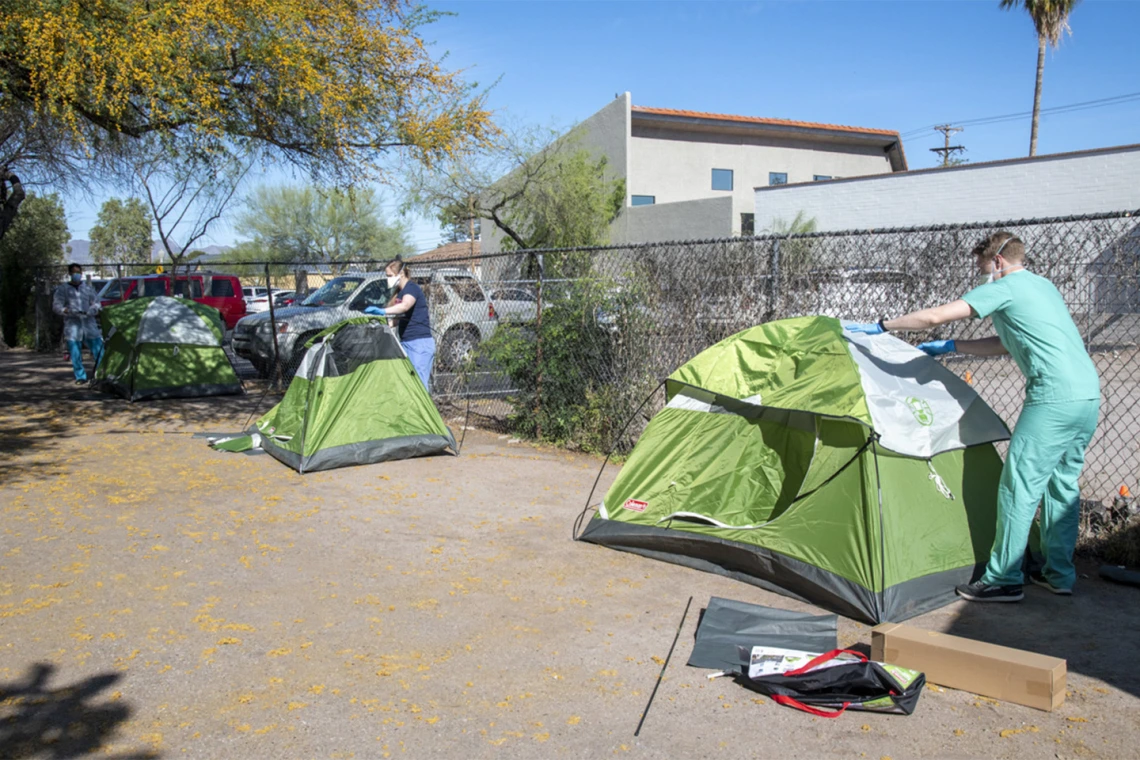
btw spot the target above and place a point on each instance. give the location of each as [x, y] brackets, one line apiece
[882, 541]
[578, 521]
[467, 413]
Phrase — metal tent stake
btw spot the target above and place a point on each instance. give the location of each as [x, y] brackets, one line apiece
[661, 675]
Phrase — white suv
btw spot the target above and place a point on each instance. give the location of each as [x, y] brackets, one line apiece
[248, 294]
[461, 316]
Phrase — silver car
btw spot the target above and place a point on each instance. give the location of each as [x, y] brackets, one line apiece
[461, 317]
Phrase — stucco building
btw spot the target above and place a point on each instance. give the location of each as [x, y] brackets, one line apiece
[692, 175]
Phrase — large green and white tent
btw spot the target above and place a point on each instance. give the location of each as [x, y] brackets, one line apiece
[851, 471]
[164, 348]
[355, 399]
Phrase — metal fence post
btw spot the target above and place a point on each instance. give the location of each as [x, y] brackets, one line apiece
[37, 296]
[774, 285]
[277, 374]
[538, 351]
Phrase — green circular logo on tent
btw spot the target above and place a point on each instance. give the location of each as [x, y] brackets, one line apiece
[921, 411]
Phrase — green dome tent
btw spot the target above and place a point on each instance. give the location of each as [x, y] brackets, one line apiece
[853, 472]
[355, 399]
[164, 348]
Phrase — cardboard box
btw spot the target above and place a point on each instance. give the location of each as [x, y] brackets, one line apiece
[1011, 675]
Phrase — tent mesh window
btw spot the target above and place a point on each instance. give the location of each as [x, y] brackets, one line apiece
[356, 345]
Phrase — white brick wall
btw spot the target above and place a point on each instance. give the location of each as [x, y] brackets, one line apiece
[1046, 186]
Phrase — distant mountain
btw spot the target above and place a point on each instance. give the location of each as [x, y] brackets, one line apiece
[81, 252]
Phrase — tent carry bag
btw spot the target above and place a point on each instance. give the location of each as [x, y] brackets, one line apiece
[827, 690]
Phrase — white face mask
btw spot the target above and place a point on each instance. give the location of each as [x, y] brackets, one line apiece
[393, 281]
[985, 278]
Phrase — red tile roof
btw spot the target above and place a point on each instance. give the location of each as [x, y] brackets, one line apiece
[761, 120]
[460, 250]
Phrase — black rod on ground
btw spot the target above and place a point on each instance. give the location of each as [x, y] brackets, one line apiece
[661, 675]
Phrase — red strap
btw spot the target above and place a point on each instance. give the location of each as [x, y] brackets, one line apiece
[816, 662]
[783, 699]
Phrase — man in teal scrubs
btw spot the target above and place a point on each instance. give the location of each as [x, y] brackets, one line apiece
[1062, 402]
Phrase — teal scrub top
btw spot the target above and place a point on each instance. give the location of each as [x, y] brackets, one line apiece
[1034, 325]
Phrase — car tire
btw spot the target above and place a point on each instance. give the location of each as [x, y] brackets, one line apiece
[261, 367]
[459, 344]
[290, 363]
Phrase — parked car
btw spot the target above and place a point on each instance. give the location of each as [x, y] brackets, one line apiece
[461, 315]
[515, 304]
[857, 293]
[223, 291]
[281, 299]
[250, 293]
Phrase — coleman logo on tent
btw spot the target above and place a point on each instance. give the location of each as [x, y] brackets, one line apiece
[635, 505]
[921, 410]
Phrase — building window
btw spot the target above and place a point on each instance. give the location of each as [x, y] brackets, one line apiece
[820, 177]
[777, 178]
[642, 200]
[747, 225]
[722, 179]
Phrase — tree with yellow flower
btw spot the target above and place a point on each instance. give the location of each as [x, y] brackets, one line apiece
[328, 86]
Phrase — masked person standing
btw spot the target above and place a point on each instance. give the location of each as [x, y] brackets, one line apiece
[78, 303]
[1062, 402]
[411, 306]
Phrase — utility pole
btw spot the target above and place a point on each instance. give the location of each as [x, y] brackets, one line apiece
[948, 151]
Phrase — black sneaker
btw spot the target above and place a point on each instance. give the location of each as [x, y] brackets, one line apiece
[1040, 580]
[983, 592]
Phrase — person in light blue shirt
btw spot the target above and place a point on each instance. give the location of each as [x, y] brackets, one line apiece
[78, 303]
[1062, 404]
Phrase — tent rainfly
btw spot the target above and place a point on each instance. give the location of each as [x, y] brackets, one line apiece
[853, 472]
[164, 347]
[355, 399]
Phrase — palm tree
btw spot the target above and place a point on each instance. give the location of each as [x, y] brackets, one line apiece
[1051, 19]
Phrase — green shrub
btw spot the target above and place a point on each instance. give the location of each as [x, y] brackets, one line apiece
[581, 401]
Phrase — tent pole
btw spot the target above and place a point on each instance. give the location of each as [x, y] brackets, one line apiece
[882, 543]
[628, 422]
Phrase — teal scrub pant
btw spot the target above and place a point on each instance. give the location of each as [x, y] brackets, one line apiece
[1046, 454]
[75, 351]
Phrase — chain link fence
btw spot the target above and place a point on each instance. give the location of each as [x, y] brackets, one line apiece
[566, 345]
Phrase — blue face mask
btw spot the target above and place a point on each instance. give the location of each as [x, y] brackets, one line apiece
[77, 277]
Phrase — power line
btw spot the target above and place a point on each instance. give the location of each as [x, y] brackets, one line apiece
[1069, 108]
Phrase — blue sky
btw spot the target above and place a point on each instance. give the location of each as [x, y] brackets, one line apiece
[903, 65]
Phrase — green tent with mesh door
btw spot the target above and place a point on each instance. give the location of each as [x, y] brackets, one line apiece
[851, 471]
[164, 348]
[355, 399]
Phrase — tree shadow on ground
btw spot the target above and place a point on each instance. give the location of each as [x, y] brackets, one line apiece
[40, 406]
[1095, 630]
[66, 722]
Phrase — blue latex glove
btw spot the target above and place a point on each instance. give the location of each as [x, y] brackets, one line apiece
[376, 311]
[936, 347]
[866, 328]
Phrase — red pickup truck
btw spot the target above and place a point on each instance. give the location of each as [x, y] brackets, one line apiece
[224, 294]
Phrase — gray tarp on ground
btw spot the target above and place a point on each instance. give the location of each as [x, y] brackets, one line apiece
[729, 629]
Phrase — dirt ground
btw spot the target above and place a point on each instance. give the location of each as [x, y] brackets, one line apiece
[160, 599]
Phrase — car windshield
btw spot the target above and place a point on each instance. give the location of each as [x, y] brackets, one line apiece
[112, 290]
[334, 292]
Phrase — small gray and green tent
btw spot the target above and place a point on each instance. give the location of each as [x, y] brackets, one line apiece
[853, 472]
[164, 347]
[355, 399]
